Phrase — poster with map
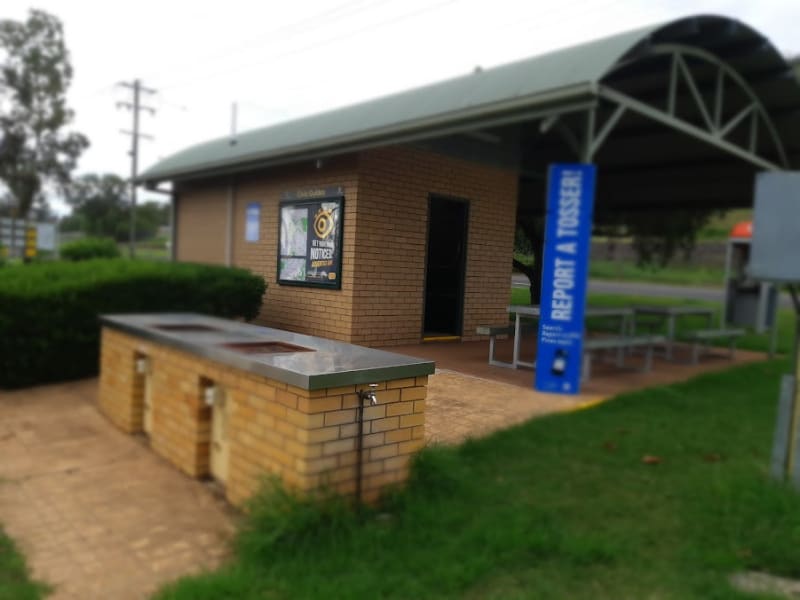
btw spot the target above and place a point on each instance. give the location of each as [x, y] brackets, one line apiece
[294, 231]
[310, 238]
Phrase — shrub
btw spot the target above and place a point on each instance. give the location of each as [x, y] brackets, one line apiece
[49, 328]
[89, 248]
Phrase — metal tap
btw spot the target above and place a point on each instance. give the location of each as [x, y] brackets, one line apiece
[369, 394]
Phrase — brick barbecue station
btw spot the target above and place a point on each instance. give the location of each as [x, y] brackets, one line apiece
[237, 402]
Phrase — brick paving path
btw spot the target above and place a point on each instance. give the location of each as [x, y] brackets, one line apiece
[96, 513]
[461, 406]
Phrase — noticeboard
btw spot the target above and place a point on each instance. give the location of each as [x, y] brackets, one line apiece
[310, 238]
[568, 230]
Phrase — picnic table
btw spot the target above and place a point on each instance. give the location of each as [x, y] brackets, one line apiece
[624, 316]
[670, 316]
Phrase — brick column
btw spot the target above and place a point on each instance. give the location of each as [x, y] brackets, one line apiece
[121, 391]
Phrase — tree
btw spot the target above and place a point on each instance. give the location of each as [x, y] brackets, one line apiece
[656, 238]
[35, 73]
[149, 217]
[100, 209]
[98, 204]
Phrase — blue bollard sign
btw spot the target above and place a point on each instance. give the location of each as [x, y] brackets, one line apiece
[568, 230]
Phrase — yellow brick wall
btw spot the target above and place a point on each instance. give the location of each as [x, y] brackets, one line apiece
[394, 187]
[306, 438]
[181, 420]
[314, 311]
[121, 391]
[201, 213]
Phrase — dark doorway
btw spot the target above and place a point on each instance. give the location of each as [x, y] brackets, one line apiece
[447, 254]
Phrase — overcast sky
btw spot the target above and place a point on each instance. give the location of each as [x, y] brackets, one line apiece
[281, 60]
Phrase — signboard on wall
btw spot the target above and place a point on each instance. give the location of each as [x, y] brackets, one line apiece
[252, 222]
[310, 238]
[568, 229]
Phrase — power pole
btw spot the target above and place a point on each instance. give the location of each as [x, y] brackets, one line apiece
[135, 107]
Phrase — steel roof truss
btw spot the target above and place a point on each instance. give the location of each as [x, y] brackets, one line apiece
[734, 121]
[714, 130]
[698, 98]
[686, 127]
[606, 129]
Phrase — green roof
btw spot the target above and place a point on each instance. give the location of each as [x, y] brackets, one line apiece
[512, 90]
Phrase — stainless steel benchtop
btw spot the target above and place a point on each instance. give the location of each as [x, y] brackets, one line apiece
[327, 364]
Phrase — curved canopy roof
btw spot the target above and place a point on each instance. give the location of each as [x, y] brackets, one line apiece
[517, 95]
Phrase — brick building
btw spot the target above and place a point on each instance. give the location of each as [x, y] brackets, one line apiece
[381, 297]
[425, 186]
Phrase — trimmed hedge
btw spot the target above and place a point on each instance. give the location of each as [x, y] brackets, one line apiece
[89, 248]
[49, 328]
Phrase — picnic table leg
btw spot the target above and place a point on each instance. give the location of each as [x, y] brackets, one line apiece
[773, 340]
[670, 335]
[586, 368]
[648, 358]
[515, 359]
[623, 332]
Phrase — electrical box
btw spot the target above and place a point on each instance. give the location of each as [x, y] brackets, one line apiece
[776, 228]
[775, 258]
[748, 302]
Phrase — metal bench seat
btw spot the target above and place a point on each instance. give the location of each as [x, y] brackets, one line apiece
[493, 331]
[620, 344]
[701, 340]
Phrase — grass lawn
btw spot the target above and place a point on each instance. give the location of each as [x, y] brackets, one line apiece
[15, 583]
[677, 274]
[146, 250]
[671, 274]
[560, 507]
[674, 274]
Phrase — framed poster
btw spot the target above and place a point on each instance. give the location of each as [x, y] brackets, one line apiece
[310, 238]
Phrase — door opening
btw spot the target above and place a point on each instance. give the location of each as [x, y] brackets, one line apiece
[445, 266]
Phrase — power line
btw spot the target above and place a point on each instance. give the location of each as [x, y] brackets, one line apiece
[583, 9]
[136, 108]
[332, 15]
[322, 43]
[561, 12]
[99, 91]
[558, 12]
